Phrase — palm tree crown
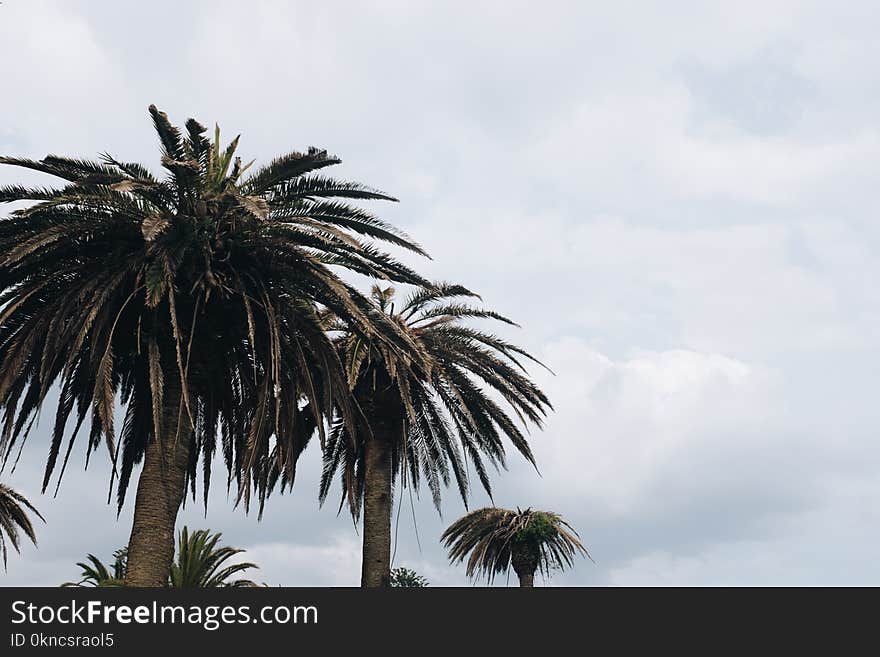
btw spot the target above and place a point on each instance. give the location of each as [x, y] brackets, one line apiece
[196, 301]
[200, 290]
[445, 415]
[498, 539]
[13, 518]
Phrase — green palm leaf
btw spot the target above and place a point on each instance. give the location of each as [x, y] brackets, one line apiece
[201, 563]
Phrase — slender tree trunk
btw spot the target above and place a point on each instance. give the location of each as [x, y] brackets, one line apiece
[527, 579]
[161, 488]
[376, 563]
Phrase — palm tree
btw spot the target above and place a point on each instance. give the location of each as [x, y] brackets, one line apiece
[422, 416]
[199, 564]
[95, 573]
[526, 540]
[14, 518]
[195, 300]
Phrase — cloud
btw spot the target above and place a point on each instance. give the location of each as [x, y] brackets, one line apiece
[828, 546]
[57, 73]
[758, 290]
[335, 564]
[623, 424]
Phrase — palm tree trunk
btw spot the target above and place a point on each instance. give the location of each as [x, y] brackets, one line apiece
[524, 560]
[376, 562]
[161, 487]
[526, 579]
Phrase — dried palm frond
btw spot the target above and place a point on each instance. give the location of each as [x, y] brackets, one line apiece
[14, 519]
[496, 538]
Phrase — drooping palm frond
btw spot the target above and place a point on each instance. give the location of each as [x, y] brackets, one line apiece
[200, 562]
[121, 286]
[447, 396]
[14, 519]
[495, 538]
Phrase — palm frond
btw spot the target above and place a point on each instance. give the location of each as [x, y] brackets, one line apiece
[287, 167]
[14, 520]
[445, 397]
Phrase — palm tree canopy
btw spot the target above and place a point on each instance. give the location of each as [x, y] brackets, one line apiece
[493, 536]
[444, 396]
[205, 286]
[201, 563]
[14, 519]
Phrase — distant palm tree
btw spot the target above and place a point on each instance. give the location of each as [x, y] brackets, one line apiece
[199, 563]
[193, 299]
[404, 578]
[498, 539]
[95, 573]
[422, 417]
[13, 518]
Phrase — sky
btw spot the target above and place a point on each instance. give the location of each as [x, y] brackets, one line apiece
[677, 201]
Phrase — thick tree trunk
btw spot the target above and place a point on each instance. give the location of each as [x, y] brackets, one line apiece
[524, 560]
[161, 488]
[376, 563]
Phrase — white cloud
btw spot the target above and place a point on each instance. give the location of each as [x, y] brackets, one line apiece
[754, 290]
[625, 428]
[830, 545]
[650, 144]
[56, 74]
[333, 563]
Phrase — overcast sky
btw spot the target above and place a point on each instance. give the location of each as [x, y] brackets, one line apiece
[677, 200]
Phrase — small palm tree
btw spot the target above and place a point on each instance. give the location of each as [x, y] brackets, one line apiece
[200, 563]
[404, 578]
[423, 416]
[13, 518]
[497, 539]
[95, 573]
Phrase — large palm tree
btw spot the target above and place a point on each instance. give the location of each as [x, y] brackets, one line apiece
[195, 300]
[498, 539]
[423, 416]
[199, 563]
[14, 519]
